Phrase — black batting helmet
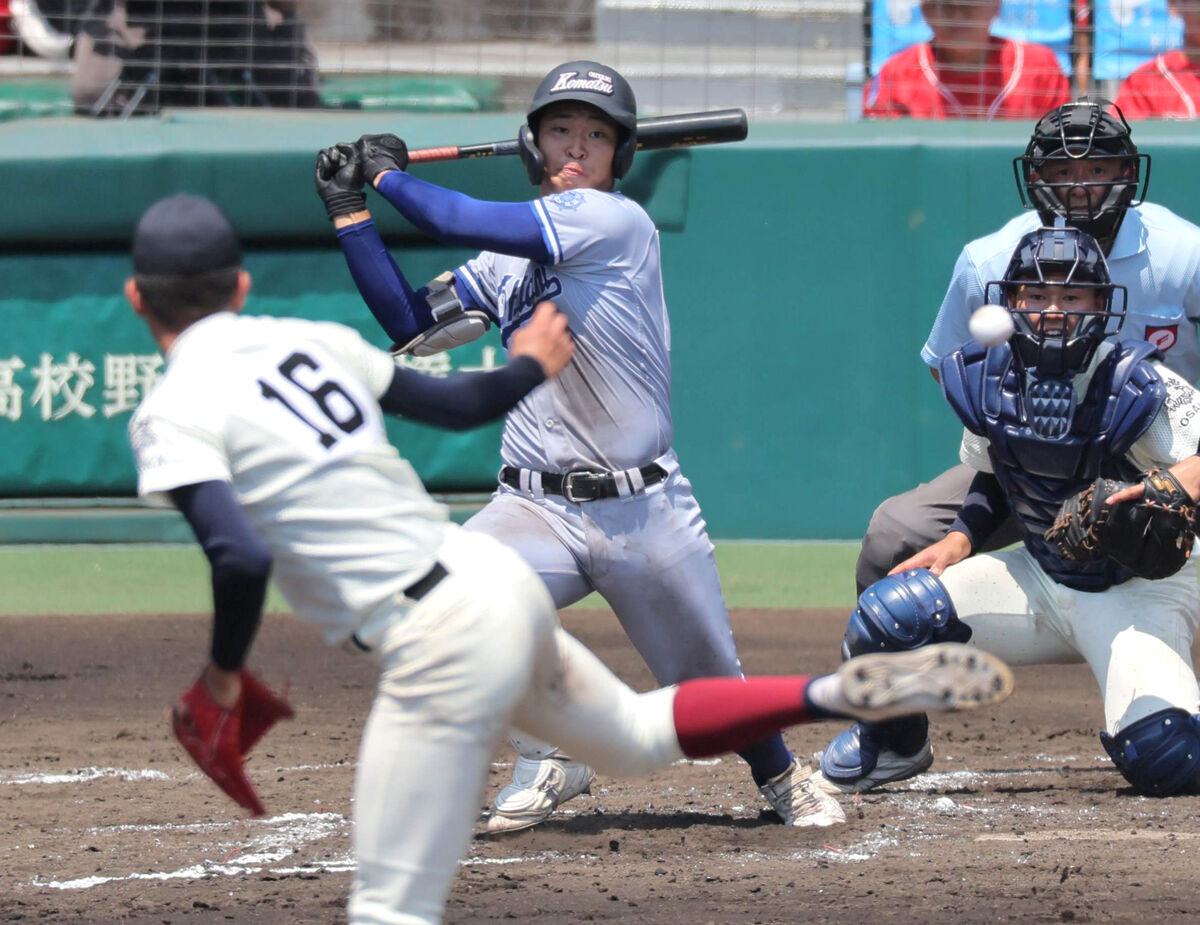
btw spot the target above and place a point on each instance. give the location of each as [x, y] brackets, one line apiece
[1083, 128]
[1059, 258]
[585, 82]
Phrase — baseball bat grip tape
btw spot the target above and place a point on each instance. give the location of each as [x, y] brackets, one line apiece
[684, 130]
[448, 153]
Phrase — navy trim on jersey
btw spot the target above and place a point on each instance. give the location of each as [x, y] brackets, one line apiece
[549, 232]
[463, 400]
[472, 295]
[240, 563]
[453, 218]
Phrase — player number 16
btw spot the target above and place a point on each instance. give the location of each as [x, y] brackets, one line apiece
[320, 394]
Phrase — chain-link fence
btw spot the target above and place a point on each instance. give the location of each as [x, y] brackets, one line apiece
[818, 59]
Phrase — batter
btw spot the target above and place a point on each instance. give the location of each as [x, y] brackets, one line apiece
[591, 492]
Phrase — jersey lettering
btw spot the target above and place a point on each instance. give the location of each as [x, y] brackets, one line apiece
[536, 286]
[326, 394]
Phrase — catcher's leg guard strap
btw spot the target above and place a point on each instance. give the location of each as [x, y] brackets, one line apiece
[902, 612]
[1159, 754]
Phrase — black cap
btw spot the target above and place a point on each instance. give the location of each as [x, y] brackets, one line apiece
[184, 235]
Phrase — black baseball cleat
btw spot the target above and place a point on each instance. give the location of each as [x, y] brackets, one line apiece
[932, 679]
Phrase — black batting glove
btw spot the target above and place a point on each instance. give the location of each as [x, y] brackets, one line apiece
[339, 180]
[379, 153]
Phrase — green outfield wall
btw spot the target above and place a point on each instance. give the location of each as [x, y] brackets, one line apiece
[803, 268]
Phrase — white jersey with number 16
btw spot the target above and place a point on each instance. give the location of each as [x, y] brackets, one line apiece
[286, 411]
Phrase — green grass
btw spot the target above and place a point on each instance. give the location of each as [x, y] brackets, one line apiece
[174, 579]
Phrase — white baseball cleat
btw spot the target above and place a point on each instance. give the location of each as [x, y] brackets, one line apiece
[538, 788]
[937, 678]
[795, 796]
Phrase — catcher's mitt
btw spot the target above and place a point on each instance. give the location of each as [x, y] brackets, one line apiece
[1152, 536]
[218, 739]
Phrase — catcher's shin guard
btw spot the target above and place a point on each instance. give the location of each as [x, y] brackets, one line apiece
[895, 614]
[1159, 754]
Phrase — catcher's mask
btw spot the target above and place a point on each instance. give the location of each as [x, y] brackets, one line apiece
[1054, 344]
[585, 82]
[1074, 132]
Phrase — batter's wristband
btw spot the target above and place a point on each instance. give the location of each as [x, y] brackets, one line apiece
[344, 202]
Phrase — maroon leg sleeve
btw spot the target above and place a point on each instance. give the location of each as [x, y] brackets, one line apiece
[718, 715]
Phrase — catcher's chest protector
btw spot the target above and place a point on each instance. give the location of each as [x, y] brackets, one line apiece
[1040, 462]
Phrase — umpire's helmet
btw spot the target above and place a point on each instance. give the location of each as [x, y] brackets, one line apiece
[586, 82]
[1059, 258]
[1081, 129]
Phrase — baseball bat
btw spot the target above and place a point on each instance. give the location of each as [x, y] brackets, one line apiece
[683, 130]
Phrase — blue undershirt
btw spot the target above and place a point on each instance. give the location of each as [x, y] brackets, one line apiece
[451, 218]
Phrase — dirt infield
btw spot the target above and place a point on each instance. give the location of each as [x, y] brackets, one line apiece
[1022, 819]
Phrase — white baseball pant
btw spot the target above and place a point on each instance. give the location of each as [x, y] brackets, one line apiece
[1136, 637]
[481, 651]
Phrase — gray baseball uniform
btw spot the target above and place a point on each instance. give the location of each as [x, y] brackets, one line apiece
[591, 492]
[647, 550]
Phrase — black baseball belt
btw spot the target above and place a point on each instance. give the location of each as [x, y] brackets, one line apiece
[426, 583]
[414, 592]
[585, 484]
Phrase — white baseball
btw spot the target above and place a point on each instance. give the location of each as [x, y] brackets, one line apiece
[991, 325]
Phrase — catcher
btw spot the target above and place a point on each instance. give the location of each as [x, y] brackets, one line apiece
[1092, 445]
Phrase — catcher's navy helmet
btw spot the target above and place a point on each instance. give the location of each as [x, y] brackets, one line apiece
[1084, 128]
[1062, 342]
[585, 82]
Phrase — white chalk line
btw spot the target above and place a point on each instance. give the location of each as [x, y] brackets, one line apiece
[933, 780]
[83, 775]
[528, 859]
[1090, 835]
[265, 850]
[274, 840]
[282, 833]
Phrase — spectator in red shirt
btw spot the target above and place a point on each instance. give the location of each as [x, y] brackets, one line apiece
[1168, 87]
[965, 73]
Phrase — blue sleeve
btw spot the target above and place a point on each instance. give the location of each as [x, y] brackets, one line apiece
[402, 312]
[462, 401]
[240, 563]
[504, 227]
